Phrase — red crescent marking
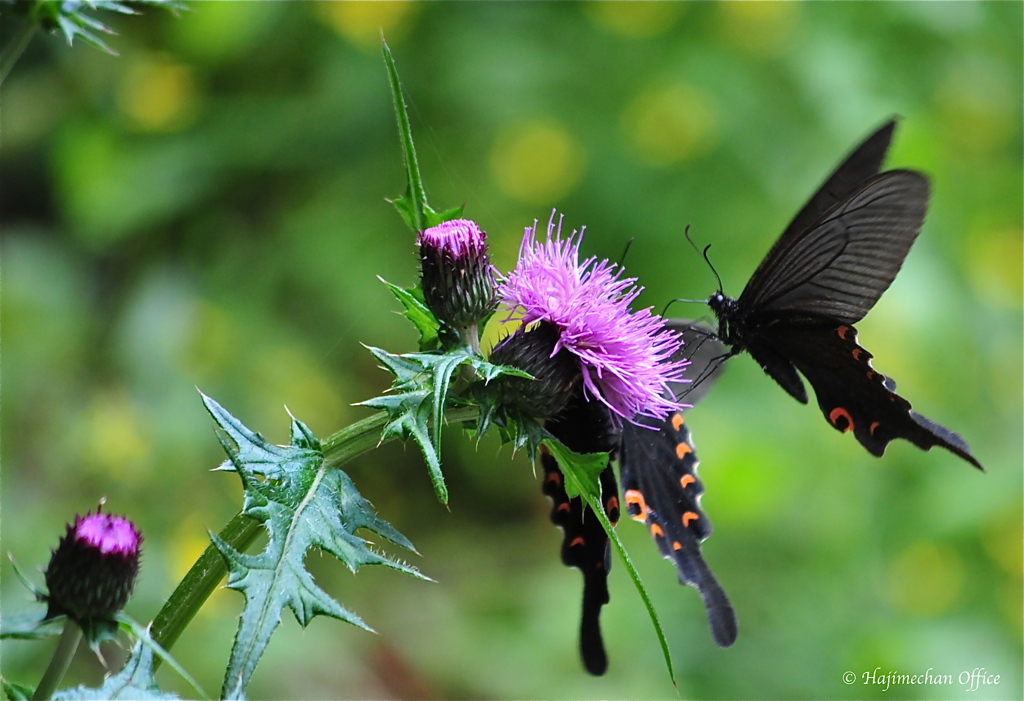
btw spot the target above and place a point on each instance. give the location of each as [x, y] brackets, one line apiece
[555, 477]
[841, 413]
[578, 540]
[656, 530]
[682, 449]
[842, 331]
[874, 425]
[677, 421]
[689, 516]
[564, 506]
[857, 352]
[686, 480]
[635, 498]
[613, 504]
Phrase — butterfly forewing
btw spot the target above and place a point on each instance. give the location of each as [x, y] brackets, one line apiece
[841, 266]
[865, 161]
[661, 489]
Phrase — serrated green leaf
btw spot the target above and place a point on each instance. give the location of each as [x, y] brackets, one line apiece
[582, 470]
[134, 681]
[418, 313]
[419, 398]
[412, 206]
[302, 505]
[581, 478]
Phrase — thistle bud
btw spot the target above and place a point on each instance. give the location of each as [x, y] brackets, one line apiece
[457, 276]
[92, 571]
[554, 370]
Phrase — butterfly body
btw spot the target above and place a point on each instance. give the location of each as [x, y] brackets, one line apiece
[828, 269]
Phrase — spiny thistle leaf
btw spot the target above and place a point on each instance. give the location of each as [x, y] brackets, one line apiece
[418, 313]
[134, 681]
[412, 206]
[419, 398]
[302, 504]
[69, 17]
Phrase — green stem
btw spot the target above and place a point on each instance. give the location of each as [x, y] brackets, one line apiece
[240, 532]
[15, 48]
[62, 657]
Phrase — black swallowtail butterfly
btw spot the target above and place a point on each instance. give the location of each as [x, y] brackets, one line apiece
[660, 487]
[825, 273]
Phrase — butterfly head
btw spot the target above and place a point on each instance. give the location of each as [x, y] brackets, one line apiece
[726, 309]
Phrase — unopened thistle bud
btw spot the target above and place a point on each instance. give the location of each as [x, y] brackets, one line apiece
[555, 371]
[458, 279]
[92, 572]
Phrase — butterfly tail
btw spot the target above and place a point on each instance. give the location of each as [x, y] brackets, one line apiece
[721, 616]
[595, 595]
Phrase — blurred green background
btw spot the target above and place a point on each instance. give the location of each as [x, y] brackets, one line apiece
[208, 209]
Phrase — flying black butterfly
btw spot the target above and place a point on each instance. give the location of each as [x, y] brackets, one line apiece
[660, 487]
[825, 273]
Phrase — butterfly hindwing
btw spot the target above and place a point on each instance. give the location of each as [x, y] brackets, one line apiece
[585, 428]
[661, 489]
[853, 396]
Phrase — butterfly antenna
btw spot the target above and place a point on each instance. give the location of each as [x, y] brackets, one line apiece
[629, 244]
[704, 253]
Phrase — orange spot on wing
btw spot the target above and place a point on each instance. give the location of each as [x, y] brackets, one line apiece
[555, 477]
[677, 421]
[857, 352]
[689, 516]
[871, 374]
[682, 449]
[656, 530]
[686, 480]
[676, 545]
[564, 506]
[578, 540]
[635, 498]
[842, 331]
[874, 425]
[838, 414]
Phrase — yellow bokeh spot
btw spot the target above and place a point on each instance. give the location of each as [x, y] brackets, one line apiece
[635, 19]
[158, 94]
[362, 23]
[671, 123]
[762, 27]
[536, 162]
[926, 579]
[993, 263]
[115, 443]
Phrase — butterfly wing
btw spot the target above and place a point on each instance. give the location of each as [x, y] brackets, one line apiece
[584, 427]
[851, 394]
[661, 489]
[864, 162]
[840, 266]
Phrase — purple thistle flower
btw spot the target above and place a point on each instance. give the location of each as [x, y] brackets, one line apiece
[92, 571]
[624, 356]
[457, 276]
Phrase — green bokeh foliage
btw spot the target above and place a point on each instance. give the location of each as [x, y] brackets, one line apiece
[208, 210]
